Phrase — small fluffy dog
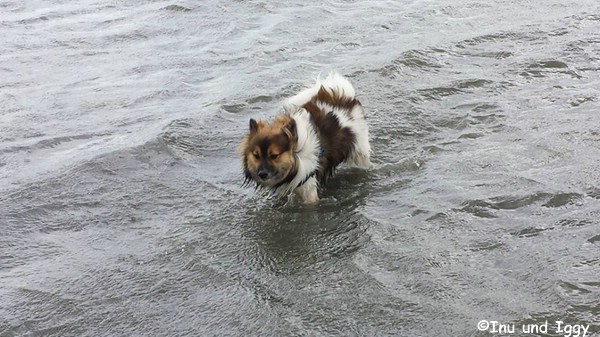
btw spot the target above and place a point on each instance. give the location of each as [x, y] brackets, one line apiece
[322, 127]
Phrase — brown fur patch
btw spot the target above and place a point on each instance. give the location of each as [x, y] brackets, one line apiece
[336, 142]
[333, 98]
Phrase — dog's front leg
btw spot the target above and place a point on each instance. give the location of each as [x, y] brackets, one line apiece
[308, 192]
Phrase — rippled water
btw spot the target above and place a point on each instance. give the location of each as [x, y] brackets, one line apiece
[121, 203]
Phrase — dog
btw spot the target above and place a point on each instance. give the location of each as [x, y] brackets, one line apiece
[320, 128]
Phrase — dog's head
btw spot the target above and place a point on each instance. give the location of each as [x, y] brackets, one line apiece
[268, 151]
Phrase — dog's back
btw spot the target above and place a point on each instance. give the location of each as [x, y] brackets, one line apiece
[339, 121]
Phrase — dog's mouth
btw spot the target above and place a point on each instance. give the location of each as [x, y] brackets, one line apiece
[270, 178]
[267, 181]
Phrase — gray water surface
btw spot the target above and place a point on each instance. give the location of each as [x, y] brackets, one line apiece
[121, 206]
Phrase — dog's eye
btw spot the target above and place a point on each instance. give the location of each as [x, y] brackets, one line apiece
[256, 155]
[274, 156]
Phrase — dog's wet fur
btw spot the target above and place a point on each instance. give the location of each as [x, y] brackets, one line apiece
[322, 127]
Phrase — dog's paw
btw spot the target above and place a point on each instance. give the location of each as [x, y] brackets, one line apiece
[308, 192]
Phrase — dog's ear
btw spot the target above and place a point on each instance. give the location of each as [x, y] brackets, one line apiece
[253, 125]
[290, 129]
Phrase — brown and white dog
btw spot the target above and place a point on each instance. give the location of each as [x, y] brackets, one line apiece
[322, 127]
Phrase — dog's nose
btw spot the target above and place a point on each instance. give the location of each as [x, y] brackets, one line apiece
[263, 174]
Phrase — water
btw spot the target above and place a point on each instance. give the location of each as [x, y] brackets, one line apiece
[121, 204]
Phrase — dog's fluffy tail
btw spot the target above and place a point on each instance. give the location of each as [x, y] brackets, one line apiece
[337, 86]
[334, 89]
